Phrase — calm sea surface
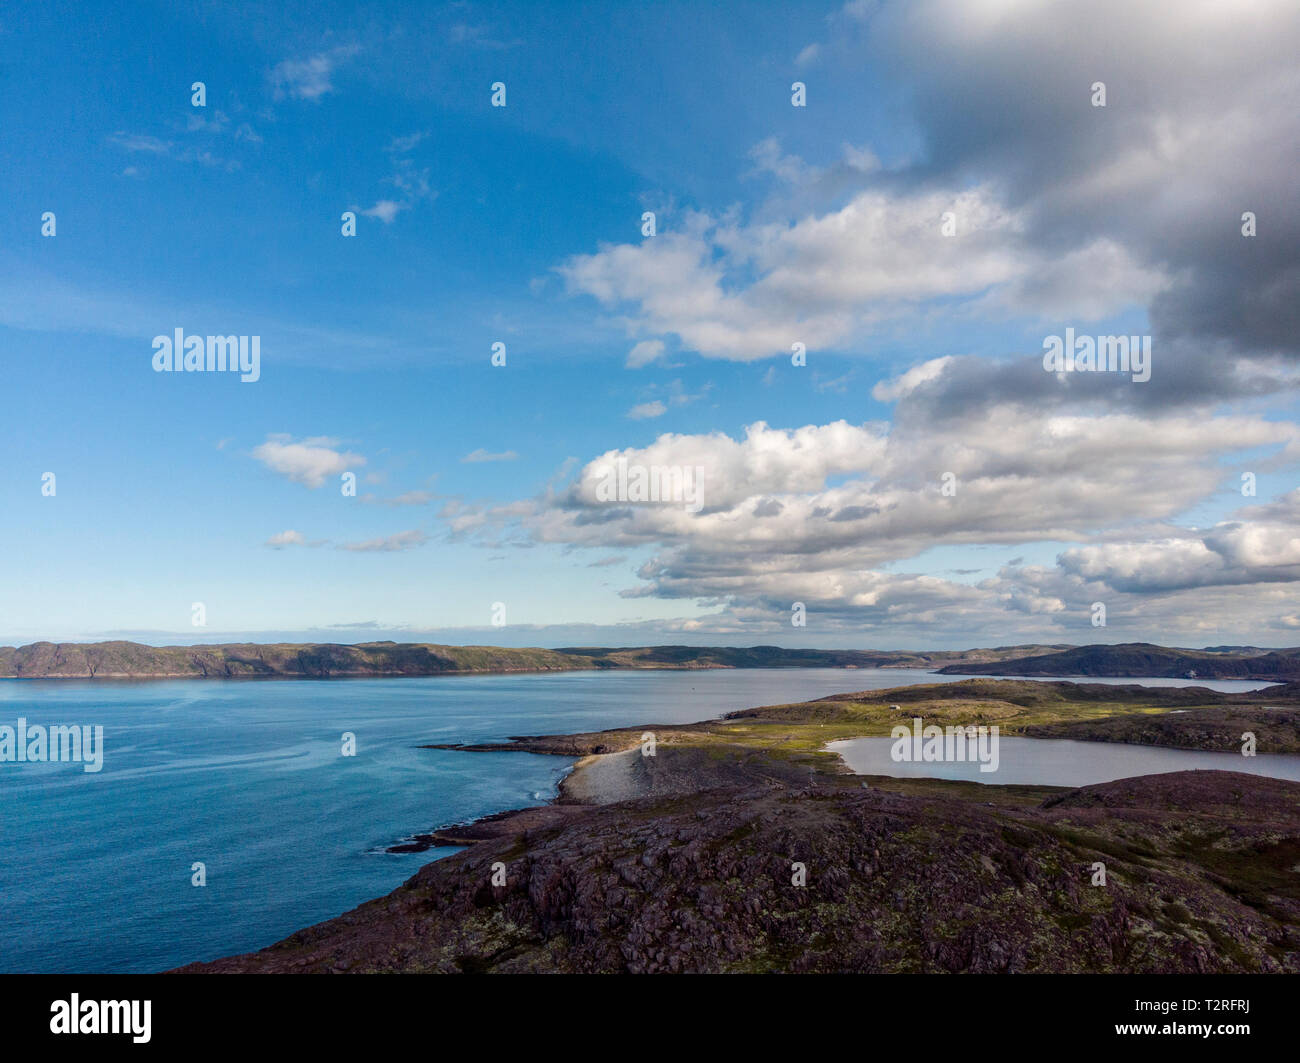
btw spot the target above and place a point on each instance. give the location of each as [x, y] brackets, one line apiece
[247, 778]
[1058, 762]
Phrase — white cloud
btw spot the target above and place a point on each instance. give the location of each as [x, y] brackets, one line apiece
[744, 292]
[311, 78]
[309, 462]
[137, 142]
[644, 353]
[401, 145]
[386, 210]
[410, 181]
[768, 158]
[862, 159]
[1265, 549]
[1062, 210]
[816, 514]
[888, 391]
[481, 455]
[647, 410]
[407, 540]
[407, 498]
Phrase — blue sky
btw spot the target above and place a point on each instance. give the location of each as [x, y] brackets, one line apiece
[522, 225]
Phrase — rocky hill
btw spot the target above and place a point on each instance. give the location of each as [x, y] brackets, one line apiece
[1144, 659]
[116, 660]
[124, 660]
[1199, 878]
[120, 660]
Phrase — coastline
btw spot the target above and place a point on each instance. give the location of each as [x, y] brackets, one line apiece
[594, 779]
[590, 781]
[607, 771]
[680, 859]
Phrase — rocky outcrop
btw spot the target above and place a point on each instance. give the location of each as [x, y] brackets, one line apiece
[1198, 879]
[1139, 659]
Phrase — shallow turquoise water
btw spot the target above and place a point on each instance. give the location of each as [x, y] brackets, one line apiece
[247, 777]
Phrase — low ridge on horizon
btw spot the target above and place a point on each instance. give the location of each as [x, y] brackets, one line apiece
[124, 659]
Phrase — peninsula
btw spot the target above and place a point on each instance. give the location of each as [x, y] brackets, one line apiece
[742, 845]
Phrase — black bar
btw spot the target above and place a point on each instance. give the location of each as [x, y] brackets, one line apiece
[380, 1013]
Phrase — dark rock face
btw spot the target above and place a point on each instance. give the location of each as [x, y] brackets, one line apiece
[1197, 868]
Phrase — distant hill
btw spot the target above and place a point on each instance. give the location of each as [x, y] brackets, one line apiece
[133, 660]
[780, 657]
[114, 660]
[1144, 659]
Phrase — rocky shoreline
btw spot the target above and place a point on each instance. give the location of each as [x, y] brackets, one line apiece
[741, 845]
[601, 776]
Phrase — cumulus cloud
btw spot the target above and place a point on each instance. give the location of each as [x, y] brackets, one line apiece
[906, 383]
[824, 513]
[1060, 210]
[1024, 205]
[1263, 550]
[1198, 128]
[826, 279]
[309, 461]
